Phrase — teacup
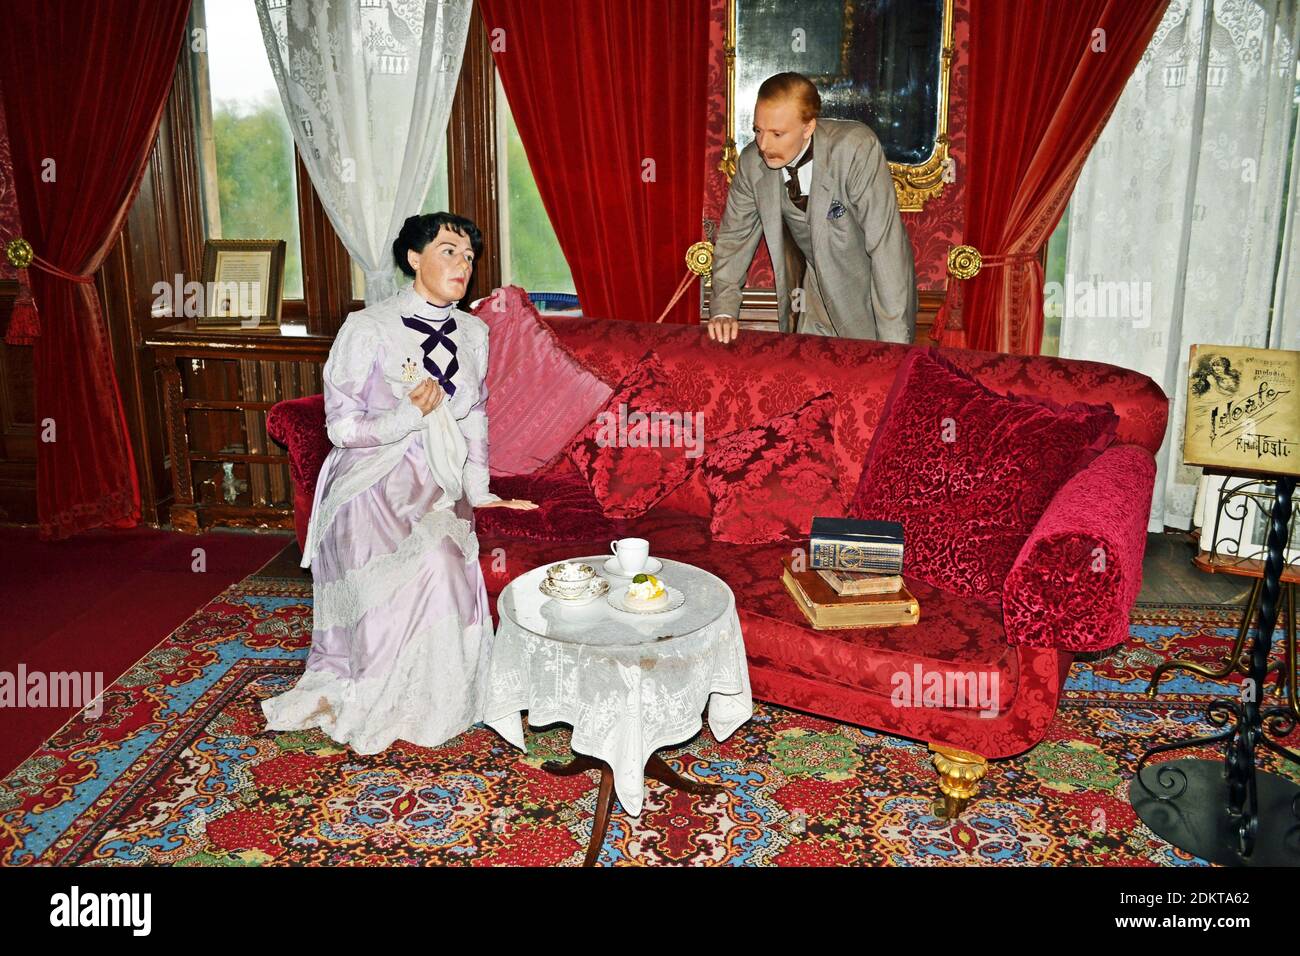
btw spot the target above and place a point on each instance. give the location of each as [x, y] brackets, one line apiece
[570, 578]
[631, 553]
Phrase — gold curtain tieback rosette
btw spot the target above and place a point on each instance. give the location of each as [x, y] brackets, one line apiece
[25, 322]
[966, 262]
[21, 255]
[699, 263]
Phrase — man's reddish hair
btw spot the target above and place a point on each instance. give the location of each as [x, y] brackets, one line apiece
[796, 86]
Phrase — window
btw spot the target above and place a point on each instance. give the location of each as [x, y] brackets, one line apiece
[245, 150]
[1055, 272]
[530, 253]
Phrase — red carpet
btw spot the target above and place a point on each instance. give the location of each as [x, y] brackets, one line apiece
[101, 601]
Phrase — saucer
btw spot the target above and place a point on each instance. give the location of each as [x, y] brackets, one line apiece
[652, 566]
[675, 600]
[595, 588]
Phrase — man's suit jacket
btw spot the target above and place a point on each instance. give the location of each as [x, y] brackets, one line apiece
[860, 249]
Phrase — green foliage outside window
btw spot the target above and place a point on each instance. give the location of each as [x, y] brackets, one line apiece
[536, 262]
[255, 181]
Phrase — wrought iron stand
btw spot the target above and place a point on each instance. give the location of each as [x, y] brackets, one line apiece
[1231, 812]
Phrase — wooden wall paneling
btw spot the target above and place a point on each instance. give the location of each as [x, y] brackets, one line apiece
[758, 311]
[181, 511]
[472, 154]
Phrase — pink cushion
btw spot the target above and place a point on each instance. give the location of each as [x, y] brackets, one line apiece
[630, 458]
[767, 482]
[539, 395]
[969, 472]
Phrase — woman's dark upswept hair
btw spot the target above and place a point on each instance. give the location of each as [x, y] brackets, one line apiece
[418, 231]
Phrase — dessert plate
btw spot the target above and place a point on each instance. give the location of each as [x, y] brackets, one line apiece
[615, 598]
[652, 566]
[595, 589]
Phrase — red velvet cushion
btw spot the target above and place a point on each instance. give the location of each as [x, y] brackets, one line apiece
[566, 510]
[765, 483]
[539, 395]
[969, 472]
[298, 424]
[630, 462]
[1078, 576]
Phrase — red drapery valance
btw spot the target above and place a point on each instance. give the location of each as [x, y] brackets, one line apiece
[610, 102]
[84, 86]
[1044, 78]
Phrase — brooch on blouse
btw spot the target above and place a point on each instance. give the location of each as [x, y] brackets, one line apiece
[410, 371]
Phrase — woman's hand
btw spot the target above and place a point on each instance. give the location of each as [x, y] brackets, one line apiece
[519, 504]
[427, 396]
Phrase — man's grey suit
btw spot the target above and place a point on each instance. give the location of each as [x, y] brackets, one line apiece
[852, 236]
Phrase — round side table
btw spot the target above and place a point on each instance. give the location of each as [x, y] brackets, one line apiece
[627, 683]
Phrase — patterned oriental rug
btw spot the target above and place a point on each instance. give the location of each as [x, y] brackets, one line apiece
[178, 771]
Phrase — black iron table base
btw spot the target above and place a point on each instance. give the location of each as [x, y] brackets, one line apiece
[1229, 811]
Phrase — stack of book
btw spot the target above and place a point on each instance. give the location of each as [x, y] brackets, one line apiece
[855, 576]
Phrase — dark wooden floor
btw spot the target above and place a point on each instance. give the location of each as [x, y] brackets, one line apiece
[1168, 576]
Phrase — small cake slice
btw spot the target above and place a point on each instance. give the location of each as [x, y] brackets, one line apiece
[645, 593]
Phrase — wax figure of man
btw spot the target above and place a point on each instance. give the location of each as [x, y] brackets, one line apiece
[825, 184]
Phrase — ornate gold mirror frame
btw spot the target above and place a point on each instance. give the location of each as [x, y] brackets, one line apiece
[914, 184]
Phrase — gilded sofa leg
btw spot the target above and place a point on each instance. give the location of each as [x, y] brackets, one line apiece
[960, 773]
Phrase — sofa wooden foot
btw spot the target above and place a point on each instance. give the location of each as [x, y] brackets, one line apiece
[960, 773]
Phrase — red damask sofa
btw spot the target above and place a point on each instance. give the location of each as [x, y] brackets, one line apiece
[847, 674]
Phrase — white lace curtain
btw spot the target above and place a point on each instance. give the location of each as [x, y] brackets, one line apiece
[1183, 195]
[367, 86]
[1285, 333]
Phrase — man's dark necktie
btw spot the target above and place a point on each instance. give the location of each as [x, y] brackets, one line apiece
[439, 349]
[792, 184]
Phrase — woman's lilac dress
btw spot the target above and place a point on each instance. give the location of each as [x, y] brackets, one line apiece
[401, 631]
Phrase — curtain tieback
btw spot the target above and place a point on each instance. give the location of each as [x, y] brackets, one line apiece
[965, 262]
[24, 322]
[699, 263]
[21, 255]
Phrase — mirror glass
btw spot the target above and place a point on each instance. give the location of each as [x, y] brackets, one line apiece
[877, 61]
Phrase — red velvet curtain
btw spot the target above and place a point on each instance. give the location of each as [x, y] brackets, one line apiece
[1042, 86]
[84, 86]
[610, 101]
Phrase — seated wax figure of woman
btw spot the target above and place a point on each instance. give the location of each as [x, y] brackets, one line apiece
[401, 630]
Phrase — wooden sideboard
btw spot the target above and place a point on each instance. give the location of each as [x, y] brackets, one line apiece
[217, 387]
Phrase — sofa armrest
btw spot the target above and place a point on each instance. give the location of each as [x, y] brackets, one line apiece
[298, 425]
[1078, 575]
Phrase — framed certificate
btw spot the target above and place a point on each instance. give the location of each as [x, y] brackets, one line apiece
[243, 282]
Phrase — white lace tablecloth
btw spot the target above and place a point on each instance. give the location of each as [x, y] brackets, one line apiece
[627, 683]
